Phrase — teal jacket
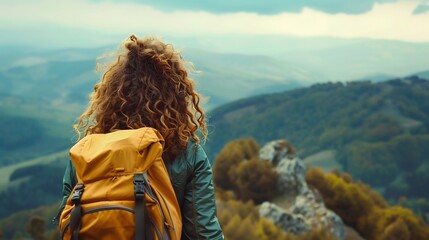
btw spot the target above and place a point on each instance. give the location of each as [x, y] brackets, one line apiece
[191, 176]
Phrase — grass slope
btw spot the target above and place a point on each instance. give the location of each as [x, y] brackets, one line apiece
[324, 160]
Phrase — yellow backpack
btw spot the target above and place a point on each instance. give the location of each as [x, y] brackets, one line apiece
[124, 191]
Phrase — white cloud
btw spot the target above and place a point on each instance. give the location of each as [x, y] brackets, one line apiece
[385, 21]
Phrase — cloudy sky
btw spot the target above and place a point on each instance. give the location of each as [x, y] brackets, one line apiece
[87, 23]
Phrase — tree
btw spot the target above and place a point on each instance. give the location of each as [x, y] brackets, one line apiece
[255, 180]
[400, 221]
[230, 156]
[398, 230]
[407, 152]
[364, 210]
[419, 180]
[371, 162]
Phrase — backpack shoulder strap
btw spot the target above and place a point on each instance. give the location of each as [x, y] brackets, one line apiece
[141, 217]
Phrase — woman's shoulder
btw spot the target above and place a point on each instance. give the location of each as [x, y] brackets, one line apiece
[194, 153]
[186, 162]
[197, 149]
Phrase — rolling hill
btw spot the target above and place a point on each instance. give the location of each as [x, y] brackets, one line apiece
[32, 128]
[378, 131]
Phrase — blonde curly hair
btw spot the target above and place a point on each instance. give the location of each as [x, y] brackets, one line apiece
[147, 86]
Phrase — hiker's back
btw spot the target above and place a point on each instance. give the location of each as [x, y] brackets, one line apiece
[118, 173]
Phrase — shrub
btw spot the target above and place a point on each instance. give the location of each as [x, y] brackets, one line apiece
[229, 157]
[365, 210]
[255, 180]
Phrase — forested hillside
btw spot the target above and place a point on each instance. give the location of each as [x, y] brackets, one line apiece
[32, 129]
[379, 132]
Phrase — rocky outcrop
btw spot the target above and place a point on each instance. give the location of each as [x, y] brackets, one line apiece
[290, 168]
[288, 221]
[306, 209]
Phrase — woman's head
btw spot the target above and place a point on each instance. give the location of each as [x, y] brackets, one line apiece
[147, 86]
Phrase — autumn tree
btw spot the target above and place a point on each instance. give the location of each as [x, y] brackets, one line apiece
[365, 210]
[255, 180]
[240, 220]
[398, 230]
[239, 169]
[229, 157]
[401, 221]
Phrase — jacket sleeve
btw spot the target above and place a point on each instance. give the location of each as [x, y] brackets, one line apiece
[69, 181]
[199, 206]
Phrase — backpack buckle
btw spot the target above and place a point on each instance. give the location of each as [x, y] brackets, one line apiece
[77, 194]
[139, 181]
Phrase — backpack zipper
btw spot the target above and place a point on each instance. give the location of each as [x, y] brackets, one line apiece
[168, 210]
[153, 196]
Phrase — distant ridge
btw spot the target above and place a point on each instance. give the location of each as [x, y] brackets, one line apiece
[300, 107]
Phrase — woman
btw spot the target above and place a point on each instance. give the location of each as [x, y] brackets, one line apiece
[148, 86]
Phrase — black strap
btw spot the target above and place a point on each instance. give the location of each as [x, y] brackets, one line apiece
[141, 218]
[76, 213]
[55, 219]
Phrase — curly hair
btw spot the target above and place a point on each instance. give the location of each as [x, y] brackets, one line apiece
[147, 86]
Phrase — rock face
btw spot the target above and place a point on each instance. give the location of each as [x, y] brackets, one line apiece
[291, 169]
[288, 221]
[306, 211]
